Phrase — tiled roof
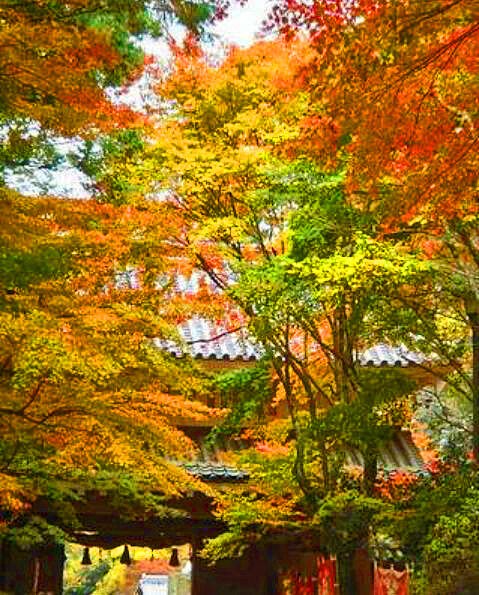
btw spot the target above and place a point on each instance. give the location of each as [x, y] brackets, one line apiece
[399, 454]
[387, 355]
[204, 339]
[215, 472]
[207, 340]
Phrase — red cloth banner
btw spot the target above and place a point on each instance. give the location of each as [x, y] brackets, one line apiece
[326, 576]
[388, 581]
[318, 581]
[303, 585]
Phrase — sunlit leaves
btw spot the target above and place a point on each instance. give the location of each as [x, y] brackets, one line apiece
[82, 385]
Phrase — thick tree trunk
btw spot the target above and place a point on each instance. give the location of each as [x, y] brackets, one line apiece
[474, 322]
[346, 575]
[35, 571]
[370, 471]
[251, 574]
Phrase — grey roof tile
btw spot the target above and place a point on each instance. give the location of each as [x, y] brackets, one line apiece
[400, 453]
[388, 355]
[208, 340]
[205, 339]
[215, 472]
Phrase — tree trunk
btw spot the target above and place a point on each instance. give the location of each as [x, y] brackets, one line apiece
[346, 575]
[474, 322]
[370, 471]
[38, 570]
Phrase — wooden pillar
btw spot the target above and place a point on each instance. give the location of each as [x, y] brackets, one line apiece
[251, 574]
[31, 572]
[272, 571]
[346, 574]
[363, 570]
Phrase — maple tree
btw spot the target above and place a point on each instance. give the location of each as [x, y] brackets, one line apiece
[85, 392]
[296, 260]
[393, 91]
[395, 85]
[304, 283]
[87, 400]
[326, 187]
[59, 61]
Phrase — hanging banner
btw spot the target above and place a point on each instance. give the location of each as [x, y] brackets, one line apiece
[326, 576]
[319, 580]
[388, 581]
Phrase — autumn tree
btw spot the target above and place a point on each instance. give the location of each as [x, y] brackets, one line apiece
[58, 61]
[88, 401]
[87, 398]
[296, 259]
[286, 229]
[393, 90]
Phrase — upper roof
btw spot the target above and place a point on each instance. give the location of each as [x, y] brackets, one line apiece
[383, 354]
[205, 339]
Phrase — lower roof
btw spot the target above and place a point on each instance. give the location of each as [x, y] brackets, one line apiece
[399, 454]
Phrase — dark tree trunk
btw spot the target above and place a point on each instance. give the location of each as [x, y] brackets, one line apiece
[39, 570]
[346, 575]
[474, 322]
[370, 471]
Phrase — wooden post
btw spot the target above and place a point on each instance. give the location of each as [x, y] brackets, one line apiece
[31, 572]
[473, 316]
[346, 574]
[248, 575]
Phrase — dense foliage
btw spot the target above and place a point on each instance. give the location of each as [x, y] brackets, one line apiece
[86, 400]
